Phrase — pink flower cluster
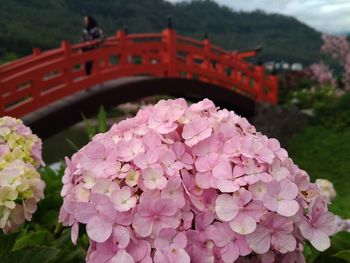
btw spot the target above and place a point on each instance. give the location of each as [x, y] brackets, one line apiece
[20, 184]
[339, 48]
[321, 73]
[181, 183]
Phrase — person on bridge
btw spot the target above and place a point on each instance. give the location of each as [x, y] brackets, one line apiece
[91, 32]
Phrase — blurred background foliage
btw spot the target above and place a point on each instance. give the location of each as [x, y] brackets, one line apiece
[43, 24]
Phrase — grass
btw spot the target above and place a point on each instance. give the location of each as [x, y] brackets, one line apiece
[323, 150]
[325, 153]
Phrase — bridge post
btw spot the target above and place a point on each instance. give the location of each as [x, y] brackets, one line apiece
[273, 80]
[169, 56]
[189, 61]
[219, 68]
[36, 51]
[65, 45]
[121, 37]
[259, 72]
[207, 48]
[36, 80]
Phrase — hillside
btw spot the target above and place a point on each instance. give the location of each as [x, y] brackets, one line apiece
[37, 23]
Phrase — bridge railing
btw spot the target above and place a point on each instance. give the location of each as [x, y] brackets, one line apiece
[44, 77]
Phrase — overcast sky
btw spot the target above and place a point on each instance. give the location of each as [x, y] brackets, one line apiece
[331, 16]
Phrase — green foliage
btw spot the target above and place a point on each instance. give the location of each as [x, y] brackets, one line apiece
[311, 97]
[47, 213]
[340, 242]
[32, 239]
[43, 239]
[71, 143]
[36, 23]
[310, 253]
[31, 255]
[7, 57]
[6, 243]
[323, 150]
[90, 129]
[337, 253]
[288, 84]
[336, 115]
[325, 153]
[345, 255]
[102, 120]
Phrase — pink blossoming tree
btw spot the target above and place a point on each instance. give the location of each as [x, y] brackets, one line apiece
[322, 74]
[338, 48]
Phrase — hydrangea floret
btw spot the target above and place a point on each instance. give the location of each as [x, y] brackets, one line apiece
[191, 183]
[21, 186]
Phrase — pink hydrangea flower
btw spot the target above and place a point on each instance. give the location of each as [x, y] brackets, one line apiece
[123, 200]
[280, 197]
[230, 244]
[215, 172]
[128, 149]
[165, 114]
[169, 160]
[153, 178]
[196, 131]
[170, 247]
[318, 225]
[181, 183]
[239, 211]
[153, 215]
[174, 191]
[250, 172]
[122, 256]
[98, 215]
[274, 230]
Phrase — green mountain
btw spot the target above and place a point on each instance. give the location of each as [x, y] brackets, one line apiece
[35, 23]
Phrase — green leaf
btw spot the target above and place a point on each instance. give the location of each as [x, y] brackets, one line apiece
[71, 143]
[345, 255]
[90, 130]
[48, 208]
[31, 255]
[310, 254]
[341, 241]
[6, 243]
[52, 179]
[102, 120]
[69, 253]
[33, 239]
[48, 218]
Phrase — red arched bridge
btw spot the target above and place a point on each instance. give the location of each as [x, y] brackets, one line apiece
[33, 85]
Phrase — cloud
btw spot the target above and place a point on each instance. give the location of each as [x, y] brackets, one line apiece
[331, 16]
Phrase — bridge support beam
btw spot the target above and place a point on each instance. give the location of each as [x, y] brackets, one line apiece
[259, 82]
[66, 47]
[169, 57]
